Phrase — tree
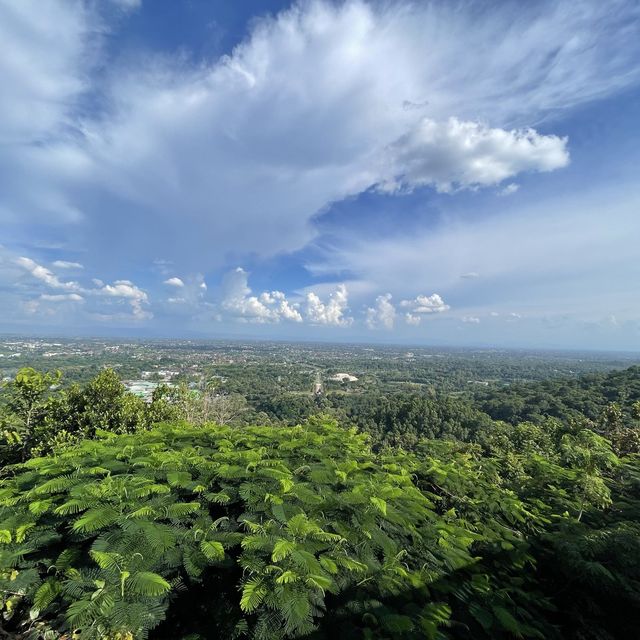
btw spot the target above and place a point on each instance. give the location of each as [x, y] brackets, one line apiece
[108, 405]
[224, 408]
[28, 393]
[200, 406]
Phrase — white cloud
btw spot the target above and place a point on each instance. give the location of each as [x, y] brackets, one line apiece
[45, 275]
[62, 297]
[507, 190]
[426, 304]
[383, 314]
[471, 319]
[174, 282]
[268, 307]
[321, 102]
[47, 47]
[423, 305]
[63, 264]
[190, 298]
[126, 290]
[587, 239]
[456, 154]
[331, 312]
[471, 275]
[123, 290]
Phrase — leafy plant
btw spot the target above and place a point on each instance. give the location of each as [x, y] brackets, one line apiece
[103, 536]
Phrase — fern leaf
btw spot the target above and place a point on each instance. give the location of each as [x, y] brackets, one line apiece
[104, 559]
[181, 509]
[319, 582]
[212, 550]
[286, 577]
[507, 621]
[95, 519]
[80, 612]
[379, 504]
[47, 592]
[282, 549]
[253, 594]
[147, 583]
[179, 478]
[38, 507]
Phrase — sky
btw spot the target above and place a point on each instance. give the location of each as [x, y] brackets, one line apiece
[446, 173]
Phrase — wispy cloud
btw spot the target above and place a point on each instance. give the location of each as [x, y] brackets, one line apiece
[64, 264]
[310, 108]
[120, 290]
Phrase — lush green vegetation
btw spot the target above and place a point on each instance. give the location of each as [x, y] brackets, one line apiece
[401, 516]
[586, 396]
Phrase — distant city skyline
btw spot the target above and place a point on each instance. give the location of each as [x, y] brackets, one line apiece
[439, 173]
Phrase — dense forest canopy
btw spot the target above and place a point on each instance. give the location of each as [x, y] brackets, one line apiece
[513, 512]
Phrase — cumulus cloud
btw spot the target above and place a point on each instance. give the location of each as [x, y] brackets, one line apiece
[471, 319]
[423, 305]
[426, 304]
[331, 312]
[123, 289]
[268, 307]
[383, 314]
[126, 290]
[174, 282]
[455, 154]
[63, 264]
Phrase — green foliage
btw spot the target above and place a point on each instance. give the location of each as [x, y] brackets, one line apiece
[41, 417]
[142, 515]
[440, 523]
[27, 394]
[584, 397]
[310, 515]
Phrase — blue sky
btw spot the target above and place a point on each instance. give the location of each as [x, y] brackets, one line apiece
[460, 173]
